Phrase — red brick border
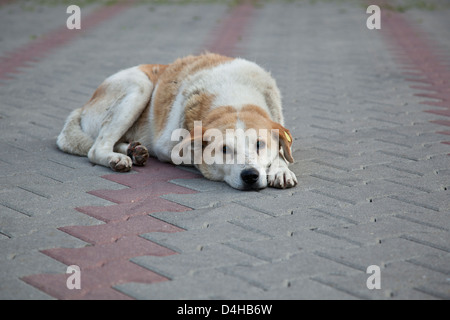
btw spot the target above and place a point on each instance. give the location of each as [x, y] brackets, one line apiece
[420, 57]
[39, 48]
[225, 37]
[105, 262]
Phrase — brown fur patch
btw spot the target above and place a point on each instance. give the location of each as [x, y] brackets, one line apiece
[197, 107]
[153, 71]
[285, 139]
[256, 118]
[102, 98]
[170, 81]
[99, 93]
[221, 118]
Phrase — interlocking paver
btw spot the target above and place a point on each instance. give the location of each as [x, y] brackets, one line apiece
[201, 218]
[291, 243]
[204, 258]
[280, 273]
[125, 211]
[205, 284]
[210, 234]
[412, 285]
[111, 232]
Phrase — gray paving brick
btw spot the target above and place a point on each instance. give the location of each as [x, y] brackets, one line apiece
[61, 172]
[322, 180]
[196, 239]
[429, 219]
[35, 203]
[436, 201]
[413, 284]
[387, 170]
[370, 191]
[380, 230]
[436, 262]
[436, 240]
[200, 184]
[201, 218]
[426, 185]
[381, 254]
[292, 243]
[285, 204]
[17, 224]
[14, 288]
[38, 240]
[207, 284]
[184, 265]
[371, 211]
[211, 198]
[20, 258]
[432, 165]
[280, 273]
[418, 153]
[288, 225]
[305, 289]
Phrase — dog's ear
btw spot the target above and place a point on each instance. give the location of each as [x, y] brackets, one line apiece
[285, 139]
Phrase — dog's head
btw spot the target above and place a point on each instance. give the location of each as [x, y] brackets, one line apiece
[238, 146]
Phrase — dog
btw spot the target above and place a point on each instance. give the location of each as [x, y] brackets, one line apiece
[211, 98]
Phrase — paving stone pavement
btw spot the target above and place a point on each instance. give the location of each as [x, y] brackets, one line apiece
[373, 171]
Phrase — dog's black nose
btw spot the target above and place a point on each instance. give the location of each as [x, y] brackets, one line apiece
[250, 176]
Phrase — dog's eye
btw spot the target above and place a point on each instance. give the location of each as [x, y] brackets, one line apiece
[260, 145]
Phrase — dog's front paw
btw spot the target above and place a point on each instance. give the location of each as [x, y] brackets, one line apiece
[281, 177]
[138, 153]
[120, 163]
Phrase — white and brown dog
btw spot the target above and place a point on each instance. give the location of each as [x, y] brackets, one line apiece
[135, 112]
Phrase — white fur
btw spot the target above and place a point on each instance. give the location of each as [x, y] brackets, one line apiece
[230, 87]
[163, 145]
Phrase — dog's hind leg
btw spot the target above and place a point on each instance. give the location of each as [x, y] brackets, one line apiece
[72, 139]
[122, 99]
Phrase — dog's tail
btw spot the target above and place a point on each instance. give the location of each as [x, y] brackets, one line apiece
[72, 139]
